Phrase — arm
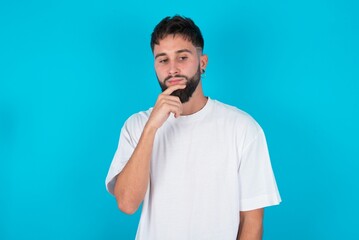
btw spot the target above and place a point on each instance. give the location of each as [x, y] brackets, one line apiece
[131, 184]
[251, 225]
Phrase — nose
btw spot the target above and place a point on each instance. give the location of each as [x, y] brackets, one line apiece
[173, 68]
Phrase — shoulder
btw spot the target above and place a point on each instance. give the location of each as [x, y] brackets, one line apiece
[233, 114]
[137, 120]
[237, 122]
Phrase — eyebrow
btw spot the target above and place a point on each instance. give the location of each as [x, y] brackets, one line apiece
[178, 51]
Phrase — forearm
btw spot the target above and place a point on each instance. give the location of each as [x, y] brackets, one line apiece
[131, 184]
[251, 225]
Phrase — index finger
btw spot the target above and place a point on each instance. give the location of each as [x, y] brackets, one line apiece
[173, 88]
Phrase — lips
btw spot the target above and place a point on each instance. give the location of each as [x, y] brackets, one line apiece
[174, 81]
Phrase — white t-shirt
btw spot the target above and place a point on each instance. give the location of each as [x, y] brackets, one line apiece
[205, 169]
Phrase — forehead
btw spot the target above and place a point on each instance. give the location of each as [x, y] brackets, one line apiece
[173, 43]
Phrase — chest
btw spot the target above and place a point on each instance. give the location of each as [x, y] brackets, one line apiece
[201, 153]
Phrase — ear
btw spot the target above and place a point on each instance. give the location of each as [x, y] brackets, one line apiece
[203, 61]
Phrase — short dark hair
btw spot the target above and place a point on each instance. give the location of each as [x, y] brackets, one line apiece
[177, 25]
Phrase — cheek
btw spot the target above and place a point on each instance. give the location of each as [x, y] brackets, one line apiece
[193, 68]
[160, 73]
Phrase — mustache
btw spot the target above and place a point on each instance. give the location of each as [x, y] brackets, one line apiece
[175, 76]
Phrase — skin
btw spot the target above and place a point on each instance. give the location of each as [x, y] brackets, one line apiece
[175, 56]
[172, 56]
[251, 225]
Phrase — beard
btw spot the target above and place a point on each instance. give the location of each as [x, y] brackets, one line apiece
[191, 85]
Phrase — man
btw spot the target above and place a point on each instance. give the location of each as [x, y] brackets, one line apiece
[200, 167]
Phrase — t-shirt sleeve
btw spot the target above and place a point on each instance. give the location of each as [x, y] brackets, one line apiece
[129, 136]
[257, 183]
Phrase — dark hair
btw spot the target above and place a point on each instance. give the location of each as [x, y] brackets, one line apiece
[177, 25]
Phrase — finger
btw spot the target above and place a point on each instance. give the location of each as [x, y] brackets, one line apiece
[173, 107]
[170, 98]
[176, 110]
[173, 88]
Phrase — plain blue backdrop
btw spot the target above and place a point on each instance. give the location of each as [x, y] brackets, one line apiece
[71, 72]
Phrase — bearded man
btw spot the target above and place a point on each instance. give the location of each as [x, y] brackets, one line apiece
[200, 167]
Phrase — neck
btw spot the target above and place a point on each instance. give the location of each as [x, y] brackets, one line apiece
[196, 102]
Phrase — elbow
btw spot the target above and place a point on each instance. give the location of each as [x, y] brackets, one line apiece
[126, 200]
[126, 207]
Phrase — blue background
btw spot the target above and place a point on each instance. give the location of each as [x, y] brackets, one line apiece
[71, 72]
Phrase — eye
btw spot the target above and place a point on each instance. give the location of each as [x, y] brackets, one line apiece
[183, 58]
[163, 61]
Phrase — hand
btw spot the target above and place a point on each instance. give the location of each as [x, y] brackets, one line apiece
[165, 105]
